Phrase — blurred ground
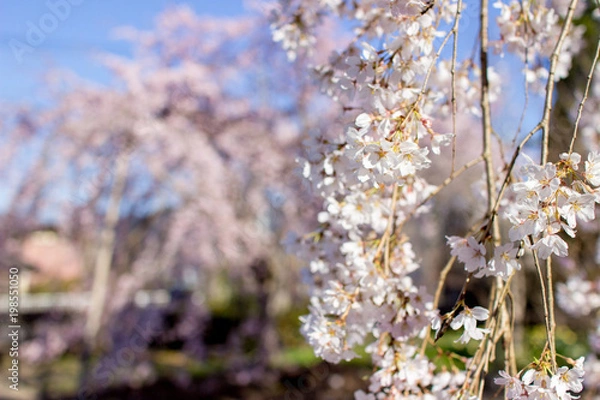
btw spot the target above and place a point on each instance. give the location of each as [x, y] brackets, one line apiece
[320, 382]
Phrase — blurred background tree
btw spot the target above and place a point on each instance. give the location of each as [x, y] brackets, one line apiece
[175, 186]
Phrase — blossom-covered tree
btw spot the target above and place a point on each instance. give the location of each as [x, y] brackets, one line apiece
[171, 177]
[406, 81]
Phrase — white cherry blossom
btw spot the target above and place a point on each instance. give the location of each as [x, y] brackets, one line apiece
[504, 263]
[468, 318]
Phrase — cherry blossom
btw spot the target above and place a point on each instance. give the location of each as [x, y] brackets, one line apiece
[468, 318]
[514, 386]
[470, 252]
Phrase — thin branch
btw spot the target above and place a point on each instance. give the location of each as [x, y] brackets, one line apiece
[510, 167]
[431, 66]
[525, 107]
[550, 83]
[441, 186]
[388, 231]
[486, 119]
[585, 95]
[453, 80]
[546, 305]
[551, 319]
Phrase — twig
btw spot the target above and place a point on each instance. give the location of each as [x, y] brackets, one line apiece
[453, 81]
[547, 320]
[550, 83]
[585, 96]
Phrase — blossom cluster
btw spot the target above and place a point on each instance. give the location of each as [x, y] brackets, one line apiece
[360, 260]
[541, 384]
[579, 296]
[551, 199]
[590, 120]
[472, 254]
[530, 30]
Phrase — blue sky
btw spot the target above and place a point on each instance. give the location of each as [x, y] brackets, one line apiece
[72, 31]
[76, 30]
